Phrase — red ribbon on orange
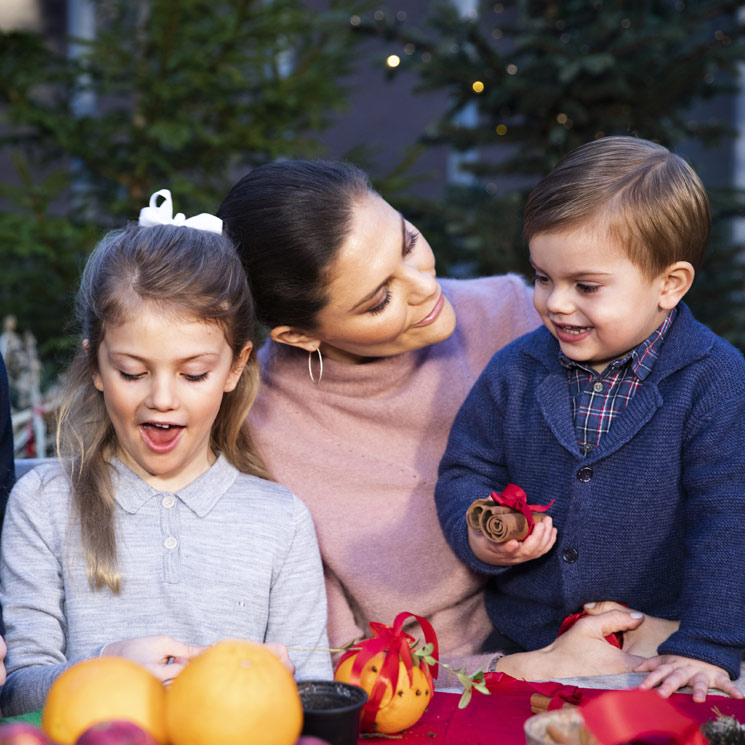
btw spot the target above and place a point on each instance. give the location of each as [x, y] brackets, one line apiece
[625, 716]
[395, 643]
[514, 497]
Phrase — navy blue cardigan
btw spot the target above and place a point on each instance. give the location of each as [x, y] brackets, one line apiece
[654, 517]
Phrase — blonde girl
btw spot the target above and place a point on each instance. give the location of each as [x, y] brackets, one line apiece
[157, 532]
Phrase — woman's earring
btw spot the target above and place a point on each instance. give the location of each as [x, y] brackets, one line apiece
[310, 366]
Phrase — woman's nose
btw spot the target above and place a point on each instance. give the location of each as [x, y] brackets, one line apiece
[423, 283]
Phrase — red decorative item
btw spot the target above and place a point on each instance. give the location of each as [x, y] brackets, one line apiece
[395, 644]
[616, 638]
[556, 694]
[618, 717]
[515, 498]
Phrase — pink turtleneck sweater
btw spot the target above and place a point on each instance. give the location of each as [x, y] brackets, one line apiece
[361, 449]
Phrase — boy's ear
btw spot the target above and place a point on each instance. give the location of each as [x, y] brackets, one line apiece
[294, 338]
[239, 365]
[676, 281]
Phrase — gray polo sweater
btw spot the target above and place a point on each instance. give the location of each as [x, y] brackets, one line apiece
[230, 555]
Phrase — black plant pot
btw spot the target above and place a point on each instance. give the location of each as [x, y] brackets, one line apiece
[331, 710]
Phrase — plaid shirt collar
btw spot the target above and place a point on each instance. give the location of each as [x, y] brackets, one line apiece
[642, 357]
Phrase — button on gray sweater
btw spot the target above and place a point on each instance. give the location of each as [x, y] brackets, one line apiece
[229, 556]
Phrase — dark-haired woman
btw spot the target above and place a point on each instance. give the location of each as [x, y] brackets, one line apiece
[368, 360]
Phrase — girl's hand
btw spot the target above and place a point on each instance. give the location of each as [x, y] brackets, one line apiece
[644, 639]
[671, 671]
[281, 651]
[161, 655]
[538, 543]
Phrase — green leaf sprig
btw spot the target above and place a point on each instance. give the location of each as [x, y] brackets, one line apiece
[474, 681]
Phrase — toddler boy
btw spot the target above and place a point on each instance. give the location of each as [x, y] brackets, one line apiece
[622, 408]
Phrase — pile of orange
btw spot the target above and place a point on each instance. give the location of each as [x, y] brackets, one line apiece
[235, 692]
[99, 690]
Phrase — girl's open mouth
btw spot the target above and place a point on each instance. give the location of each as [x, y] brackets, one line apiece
[161, 438]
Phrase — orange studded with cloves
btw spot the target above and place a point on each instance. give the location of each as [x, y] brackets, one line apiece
[397, 712]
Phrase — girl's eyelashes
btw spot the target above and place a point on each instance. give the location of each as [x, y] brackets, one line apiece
[381, 306]
[138, 376]
[539, 279]
[587, 289]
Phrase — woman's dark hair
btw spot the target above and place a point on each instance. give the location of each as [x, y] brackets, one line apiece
[288, 221]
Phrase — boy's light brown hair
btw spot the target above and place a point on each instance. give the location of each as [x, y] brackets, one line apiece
[641, 196]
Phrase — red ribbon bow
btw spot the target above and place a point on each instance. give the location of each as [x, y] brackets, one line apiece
[627, 716]
[514, 497]
[395, 643]
[560, 694]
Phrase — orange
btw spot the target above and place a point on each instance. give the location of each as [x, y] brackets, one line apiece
[397, 712]
[234, 693]
[101, 689]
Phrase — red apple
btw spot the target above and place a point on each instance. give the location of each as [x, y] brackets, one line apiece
[115, 732]
[22, 733]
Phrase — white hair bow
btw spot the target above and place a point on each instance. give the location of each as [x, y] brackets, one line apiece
[163, 215]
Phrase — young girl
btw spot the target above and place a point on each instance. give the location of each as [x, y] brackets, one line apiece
[156, 525]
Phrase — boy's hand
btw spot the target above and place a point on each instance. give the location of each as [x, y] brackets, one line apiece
[514, 552]
[671, 671]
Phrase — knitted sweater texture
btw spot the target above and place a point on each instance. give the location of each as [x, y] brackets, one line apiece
[652, 517]
[361, 450]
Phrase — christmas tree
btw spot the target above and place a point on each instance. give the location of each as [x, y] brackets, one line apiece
[180, 95]
[529, 80]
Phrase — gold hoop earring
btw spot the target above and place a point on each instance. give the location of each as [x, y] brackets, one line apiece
[310, 366]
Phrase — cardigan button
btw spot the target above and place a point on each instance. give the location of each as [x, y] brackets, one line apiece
[584, 474]
[570, 555]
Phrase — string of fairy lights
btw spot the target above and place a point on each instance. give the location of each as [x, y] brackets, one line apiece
[393, 60]
[478, 87]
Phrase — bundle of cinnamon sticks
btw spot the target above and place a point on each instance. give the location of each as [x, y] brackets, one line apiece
[498, 522]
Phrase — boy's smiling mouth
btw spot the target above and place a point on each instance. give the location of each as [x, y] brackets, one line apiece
[573, 330]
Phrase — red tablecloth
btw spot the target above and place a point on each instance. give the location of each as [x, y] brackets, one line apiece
[498, 719]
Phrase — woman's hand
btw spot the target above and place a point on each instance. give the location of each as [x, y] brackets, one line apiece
[645, 638]
[161, 655]
[514, 552]
[671, 671]
[580, 651]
